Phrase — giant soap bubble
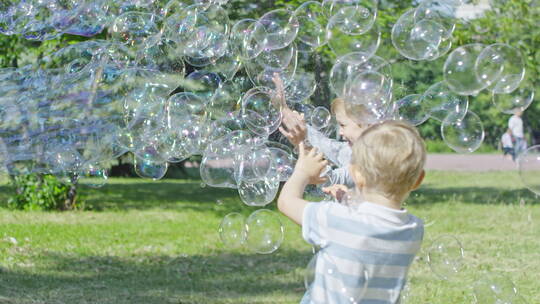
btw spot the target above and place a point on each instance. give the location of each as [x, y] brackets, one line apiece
[463, 135]
[264, 231]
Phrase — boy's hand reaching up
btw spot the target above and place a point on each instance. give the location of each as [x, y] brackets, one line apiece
[310, 165]
[293, 126]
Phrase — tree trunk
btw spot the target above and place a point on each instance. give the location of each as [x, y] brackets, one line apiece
[71, 199]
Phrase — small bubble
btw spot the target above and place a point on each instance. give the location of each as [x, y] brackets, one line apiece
[203, 185]
[219, 202]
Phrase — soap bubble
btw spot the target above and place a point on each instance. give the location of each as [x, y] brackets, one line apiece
[260, 112]
[416, 41]
[232, 230]
[459, 70]
[202, 83]
[445, 256]
[521, 98]
[264, 231]
[495, 288]
[210, 32]
[312, 23]
[247, 38]
[301, 87]
[529, 168]
[463, 135]
[441, 103]
[93, 176]
[355, 18]
[277, 59]
[135, 29]
[341, 43]
[284, 162]
[320, 118]
[410, 109]
[149, 169]
[259, 192]
[281, 28]
[500, 67]
[344, 67]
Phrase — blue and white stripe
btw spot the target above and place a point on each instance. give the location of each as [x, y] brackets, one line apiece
[374, 240]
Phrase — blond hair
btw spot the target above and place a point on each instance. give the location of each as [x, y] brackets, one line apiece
[358, 113]
[391, 157]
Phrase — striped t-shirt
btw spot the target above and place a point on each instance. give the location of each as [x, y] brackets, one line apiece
[369, 239]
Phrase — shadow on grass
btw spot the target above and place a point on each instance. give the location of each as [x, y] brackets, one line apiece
[189, 195]
[218, 278]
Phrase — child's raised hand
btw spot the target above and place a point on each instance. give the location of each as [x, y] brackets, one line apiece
[278, 98]
[293, 127]
[310, 165]
[337, 191]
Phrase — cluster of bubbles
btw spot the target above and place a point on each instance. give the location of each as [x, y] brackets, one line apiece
[261, 232]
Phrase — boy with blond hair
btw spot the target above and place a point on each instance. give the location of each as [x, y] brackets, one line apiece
[376, 235]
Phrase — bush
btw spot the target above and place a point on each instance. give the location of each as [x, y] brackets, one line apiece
[41, 192]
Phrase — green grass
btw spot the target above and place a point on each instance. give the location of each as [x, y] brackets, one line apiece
[157, 242]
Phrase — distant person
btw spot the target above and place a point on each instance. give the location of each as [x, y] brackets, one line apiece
[515, 123]
[507, 144]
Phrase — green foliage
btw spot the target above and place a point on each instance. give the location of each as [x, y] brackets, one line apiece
[39, 192]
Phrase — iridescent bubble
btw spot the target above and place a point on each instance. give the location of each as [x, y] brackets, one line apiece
[500, 66]
[254, 163]
[210, 32]
[320, 118]
[521, 98]
[149, 169]
[281, 28]
[356, 18]
[301, 87]
[284, 163]
[442, 12]
[260, 192]
[529, 168]
[416, 41]
[135, 29]
[247, 38]
[495, 288]
[232, 230]
[312, 23]
[445, 257]
[277, 59]
[341, 43]
[463, 135]
[90, 20]
[343, 68]
[94, 176]
[410, 109]
[459, 70]
[261, 115]
[264, 231]
[441, 103]
[202, 83]
[226, 98]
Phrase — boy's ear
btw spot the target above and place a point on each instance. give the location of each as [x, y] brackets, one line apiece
[419, 180]
[357, 177]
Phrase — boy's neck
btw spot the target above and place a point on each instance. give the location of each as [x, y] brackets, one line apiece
[377, 198]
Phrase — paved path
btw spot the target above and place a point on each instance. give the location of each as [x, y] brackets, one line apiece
[469, 162]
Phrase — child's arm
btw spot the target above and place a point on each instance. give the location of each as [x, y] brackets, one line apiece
[309, 166]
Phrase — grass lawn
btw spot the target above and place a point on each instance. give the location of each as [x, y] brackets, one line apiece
[157, 242]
